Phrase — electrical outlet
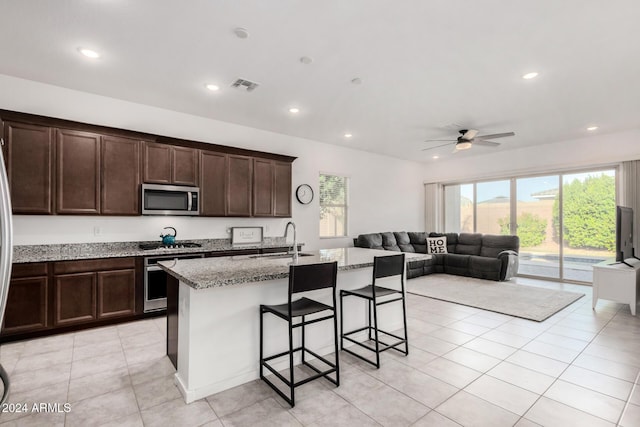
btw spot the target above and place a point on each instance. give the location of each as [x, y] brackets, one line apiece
[96, 231]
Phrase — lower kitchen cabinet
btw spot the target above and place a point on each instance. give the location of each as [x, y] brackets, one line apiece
[27, 303]
[116, 293]
[75, 298]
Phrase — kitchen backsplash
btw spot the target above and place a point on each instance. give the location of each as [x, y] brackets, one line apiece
[37, 230]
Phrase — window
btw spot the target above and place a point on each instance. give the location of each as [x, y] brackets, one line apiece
[333, 206]
[565, 221]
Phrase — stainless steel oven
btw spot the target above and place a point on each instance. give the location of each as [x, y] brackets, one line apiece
[155, 281]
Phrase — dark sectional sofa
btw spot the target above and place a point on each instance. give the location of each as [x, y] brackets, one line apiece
[483, 256]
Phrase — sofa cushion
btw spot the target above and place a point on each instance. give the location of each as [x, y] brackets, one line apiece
[469, 244]
[419, 241]
[452, 240]
[389, 242]
[371, 241]
[482, 267]
[437, 245]
[402, 239]
[456, 264]
[492, 245]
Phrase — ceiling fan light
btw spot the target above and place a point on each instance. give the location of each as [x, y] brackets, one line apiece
[463, 145]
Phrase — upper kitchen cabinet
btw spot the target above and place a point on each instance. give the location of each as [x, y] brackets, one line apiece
[78, 172]
[239, 185]
[120, 178]
[271, 188]
[282, 189]
[29, 152]
[168, 164]
[213, 176]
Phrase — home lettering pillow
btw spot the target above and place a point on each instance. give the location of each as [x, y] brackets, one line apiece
[437, 245]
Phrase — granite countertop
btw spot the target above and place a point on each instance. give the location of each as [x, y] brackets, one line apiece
[205, 273]
[77, 251]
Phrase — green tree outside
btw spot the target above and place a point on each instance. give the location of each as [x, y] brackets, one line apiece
[589, 213]
[532, 230]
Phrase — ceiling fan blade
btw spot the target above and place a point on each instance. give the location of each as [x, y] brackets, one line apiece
[439, 140]
[495, 135]
[455, 150]
[485, 143]
[437, 146]
[470, 134]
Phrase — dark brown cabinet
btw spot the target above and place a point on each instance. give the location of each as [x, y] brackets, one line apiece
[29, 153]
[213, 176]
[120, 179]
[239, 185]
[263, 187]
[86, 291]
[282, 189]
[27, 303]
[168, 164]
[78, 172]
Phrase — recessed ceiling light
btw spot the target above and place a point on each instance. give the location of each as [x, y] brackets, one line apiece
[592, 128]
[294, 110]
[212, 87]
[529, 76]
[435, 157]
[348, 135]
[356, 81]
[306, 60]
[89, 53]
[241, 33]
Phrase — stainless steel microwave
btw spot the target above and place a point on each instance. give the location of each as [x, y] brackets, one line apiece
[159, 199]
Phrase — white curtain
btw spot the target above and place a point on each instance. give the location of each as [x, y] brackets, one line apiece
[630, 195]
[433, 207]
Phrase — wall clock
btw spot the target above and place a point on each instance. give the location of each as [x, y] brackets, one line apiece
[304, 194]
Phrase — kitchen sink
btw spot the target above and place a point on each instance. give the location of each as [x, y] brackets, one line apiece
[279, 255]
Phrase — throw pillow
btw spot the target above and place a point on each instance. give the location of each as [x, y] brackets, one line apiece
[437, 245]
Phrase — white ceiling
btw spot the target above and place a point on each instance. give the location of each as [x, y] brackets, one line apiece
[426, 66]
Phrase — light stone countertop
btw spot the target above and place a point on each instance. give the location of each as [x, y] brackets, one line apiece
[203, 273]
[77, 251]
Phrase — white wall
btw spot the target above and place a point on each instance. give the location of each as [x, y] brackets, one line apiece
[385, 193]
[592, 151]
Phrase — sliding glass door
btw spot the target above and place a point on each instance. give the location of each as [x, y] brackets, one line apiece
[536, 208]
[566, 222]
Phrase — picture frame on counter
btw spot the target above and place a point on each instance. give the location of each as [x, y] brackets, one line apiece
[246, 235]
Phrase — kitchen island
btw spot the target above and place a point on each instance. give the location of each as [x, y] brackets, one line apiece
[213, 313]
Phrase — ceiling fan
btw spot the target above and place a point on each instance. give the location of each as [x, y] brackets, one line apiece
[469, 137]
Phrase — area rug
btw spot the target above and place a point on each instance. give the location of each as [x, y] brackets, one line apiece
[524, 301]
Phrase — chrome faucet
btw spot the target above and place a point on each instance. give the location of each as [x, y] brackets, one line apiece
[295, 241]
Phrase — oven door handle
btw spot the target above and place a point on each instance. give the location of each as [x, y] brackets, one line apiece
[154, 268]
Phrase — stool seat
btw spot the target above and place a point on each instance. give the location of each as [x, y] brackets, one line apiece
[301, 307]
[367, 292]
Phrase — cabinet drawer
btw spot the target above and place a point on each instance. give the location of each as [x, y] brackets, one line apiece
[29, 270]
[93, 265]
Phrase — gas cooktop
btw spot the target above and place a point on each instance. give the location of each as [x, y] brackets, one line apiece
[177, 245]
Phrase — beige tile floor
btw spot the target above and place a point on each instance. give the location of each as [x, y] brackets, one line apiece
[466, 367]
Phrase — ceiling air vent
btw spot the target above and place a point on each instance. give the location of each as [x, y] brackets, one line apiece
[244, 84]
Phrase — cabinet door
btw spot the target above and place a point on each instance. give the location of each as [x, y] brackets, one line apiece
[26, 305]
[78, 172]
[29, 155]
[157, 163]
[184, 170]
[282, 190]
[74, 298]
[120, 193]
[213, 173]
[116, 293]
[263, 185]
[239, 185]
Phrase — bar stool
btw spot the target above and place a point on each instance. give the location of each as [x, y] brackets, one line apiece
[383, 266]
[303, 278]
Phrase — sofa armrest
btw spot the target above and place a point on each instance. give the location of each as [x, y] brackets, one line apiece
[510, 263]
[415, 269]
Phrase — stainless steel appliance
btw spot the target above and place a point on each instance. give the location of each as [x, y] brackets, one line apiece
[158, 199]
[6, 254]
[155, 280]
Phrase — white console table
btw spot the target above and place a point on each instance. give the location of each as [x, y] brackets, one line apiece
[616, 282]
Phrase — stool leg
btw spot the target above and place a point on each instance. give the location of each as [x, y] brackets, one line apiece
[375, 330]
[369, 304]
[291, 378]
[335, 343]
[302, 351]
[404, 318]
[261, 342]
[341, 320]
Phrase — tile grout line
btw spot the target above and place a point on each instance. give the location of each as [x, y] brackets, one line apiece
[628, 402]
